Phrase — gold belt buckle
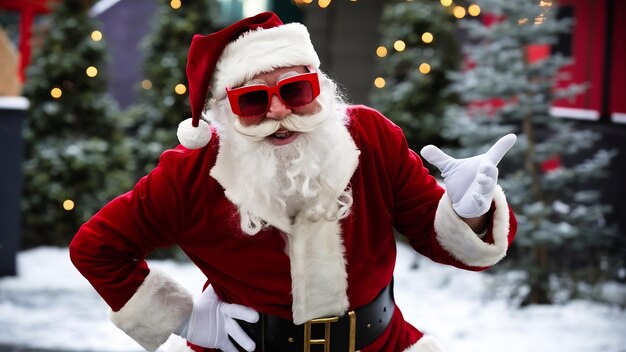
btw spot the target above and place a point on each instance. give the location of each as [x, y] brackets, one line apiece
[308, 341]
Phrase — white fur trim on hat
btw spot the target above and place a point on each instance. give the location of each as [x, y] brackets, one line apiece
[262, 50]
[157, 309]
[193, 137]
[425, 344]
[456, 237]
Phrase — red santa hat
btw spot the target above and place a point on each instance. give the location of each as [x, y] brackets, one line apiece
[232, 56]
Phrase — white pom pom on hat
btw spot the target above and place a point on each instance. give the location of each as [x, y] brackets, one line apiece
[235, 54]
[193, 137]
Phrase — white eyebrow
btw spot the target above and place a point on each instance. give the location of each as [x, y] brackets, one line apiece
[287, 75]
[259, 81]
[255, 82]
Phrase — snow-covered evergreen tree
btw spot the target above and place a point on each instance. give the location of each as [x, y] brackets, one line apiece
[76, 157]
[419, 46]
[164, 101]
[563, 239]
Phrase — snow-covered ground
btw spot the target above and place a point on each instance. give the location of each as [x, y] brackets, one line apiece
[50, 306]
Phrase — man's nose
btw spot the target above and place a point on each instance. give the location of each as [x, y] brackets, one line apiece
[277, 110]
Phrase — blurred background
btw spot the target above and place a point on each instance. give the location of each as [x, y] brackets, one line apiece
[91, 93]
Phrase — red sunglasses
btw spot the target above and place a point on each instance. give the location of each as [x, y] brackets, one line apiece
[254, 100]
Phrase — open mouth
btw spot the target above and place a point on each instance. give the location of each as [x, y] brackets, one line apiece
[282, 134]
[282, 137]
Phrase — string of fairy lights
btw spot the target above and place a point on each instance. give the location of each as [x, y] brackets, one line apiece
[424, 68]
[179, 88]
[92, 71]
[56, 93]
[456, 10]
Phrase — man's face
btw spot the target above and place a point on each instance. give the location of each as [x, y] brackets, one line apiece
[281, 159]
[277, 109]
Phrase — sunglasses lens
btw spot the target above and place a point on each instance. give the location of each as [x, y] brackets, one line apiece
[253, 103]
[297, 93]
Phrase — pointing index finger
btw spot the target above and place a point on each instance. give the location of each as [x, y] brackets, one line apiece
[497, 151]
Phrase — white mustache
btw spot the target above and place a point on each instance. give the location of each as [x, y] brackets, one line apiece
[293, 122]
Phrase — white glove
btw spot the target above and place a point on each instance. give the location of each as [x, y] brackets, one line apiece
[212, 321]
[470, 183]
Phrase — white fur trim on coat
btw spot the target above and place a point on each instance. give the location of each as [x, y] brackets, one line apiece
[456, 237]
[175, 344]
[156, 310]
[262, 50]
[319, 278]
[425, 344]
[318, 270]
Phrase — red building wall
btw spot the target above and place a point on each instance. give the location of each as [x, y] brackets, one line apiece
[598, 49]
[617, 96]
[588, 43]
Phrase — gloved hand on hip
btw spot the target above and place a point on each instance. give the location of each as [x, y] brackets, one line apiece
[471, 182]
[212, 321]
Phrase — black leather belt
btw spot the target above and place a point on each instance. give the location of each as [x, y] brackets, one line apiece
[347, 333]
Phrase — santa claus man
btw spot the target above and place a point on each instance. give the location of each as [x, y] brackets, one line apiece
[287, 201]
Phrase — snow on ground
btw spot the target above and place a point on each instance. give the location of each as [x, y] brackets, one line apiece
[49, 305]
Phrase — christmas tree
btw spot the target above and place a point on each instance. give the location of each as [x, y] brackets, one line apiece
[164, 102]
[75, 155]
[418, 47]
[548, 176]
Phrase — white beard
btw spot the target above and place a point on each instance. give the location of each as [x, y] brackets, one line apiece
[292, 178]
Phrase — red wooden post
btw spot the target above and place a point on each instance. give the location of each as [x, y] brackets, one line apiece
[27, 10]
[26, 32]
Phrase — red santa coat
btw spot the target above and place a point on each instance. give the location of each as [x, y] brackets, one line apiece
[181, 202]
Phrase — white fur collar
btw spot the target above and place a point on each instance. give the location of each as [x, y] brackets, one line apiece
[316, 251]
